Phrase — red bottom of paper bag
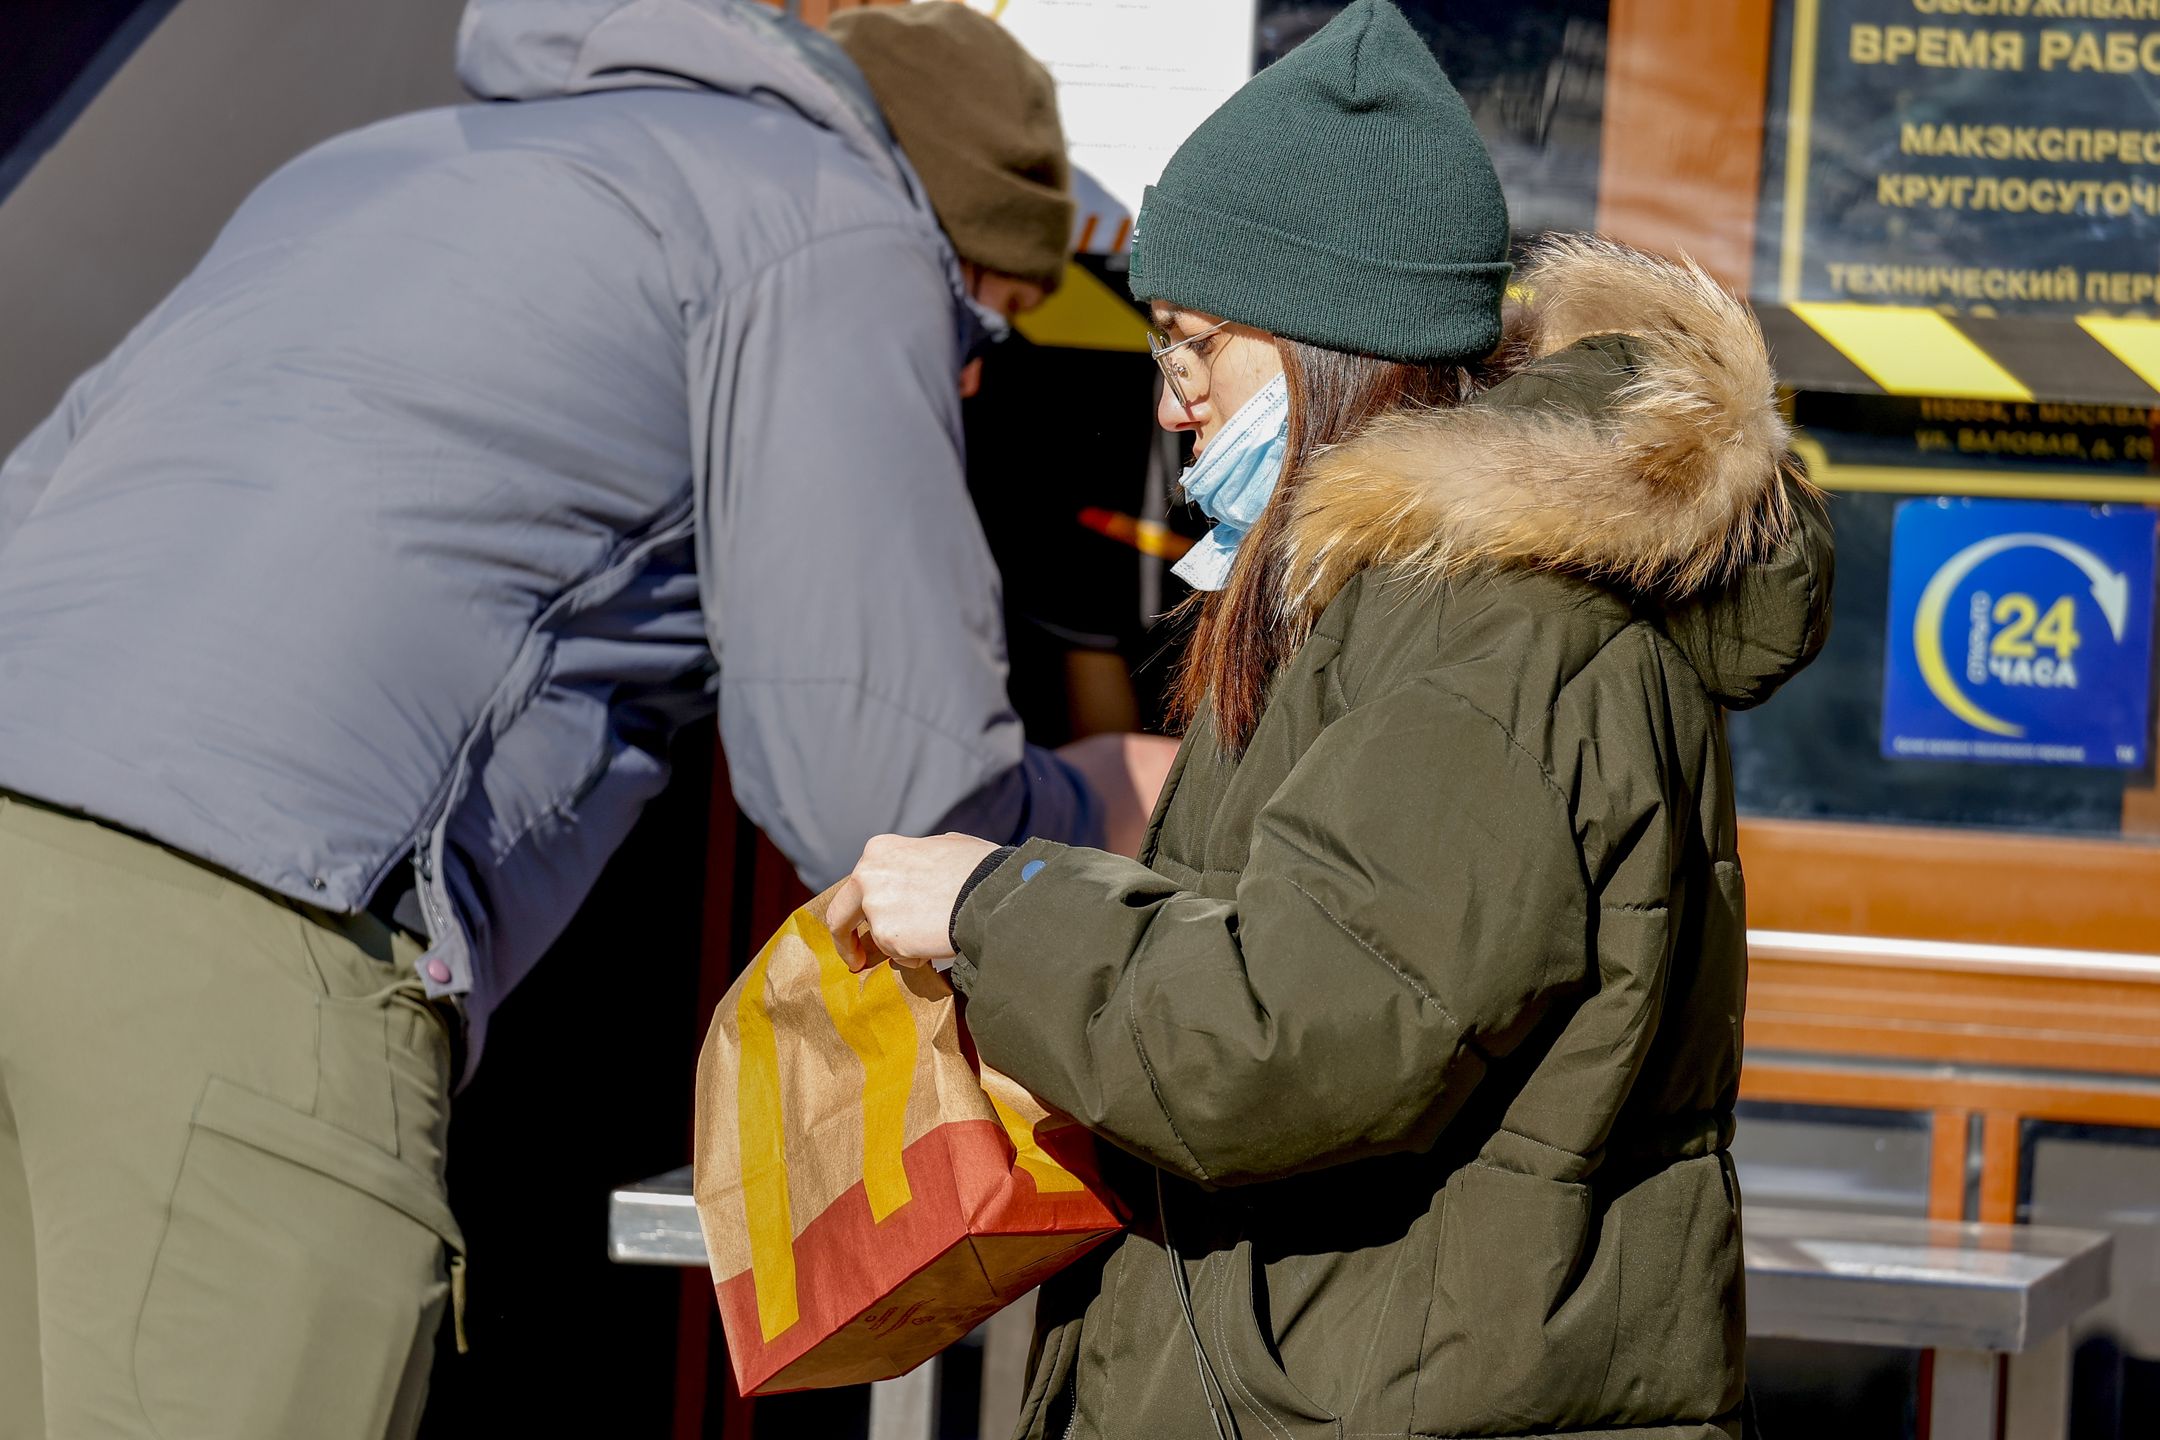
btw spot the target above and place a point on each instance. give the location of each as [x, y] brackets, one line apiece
[877, 1299]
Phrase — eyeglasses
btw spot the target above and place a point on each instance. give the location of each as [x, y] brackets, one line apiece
[1178, 369]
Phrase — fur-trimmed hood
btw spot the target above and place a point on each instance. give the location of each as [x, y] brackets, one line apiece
[1638, 444]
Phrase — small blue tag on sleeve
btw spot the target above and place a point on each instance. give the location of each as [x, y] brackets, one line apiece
[1030, 870]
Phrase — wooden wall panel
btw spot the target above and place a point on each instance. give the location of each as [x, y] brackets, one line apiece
[1999, 1168]
[1990, 1043]
[1786, 1081]
[1947, 1148]
[1681, 161]
[1978, 886]
[1945, 1015]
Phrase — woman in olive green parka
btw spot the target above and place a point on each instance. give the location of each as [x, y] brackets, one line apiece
[1416, 1026]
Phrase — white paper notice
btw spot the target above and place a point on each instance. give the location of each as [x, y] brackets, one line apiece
[1134, 78]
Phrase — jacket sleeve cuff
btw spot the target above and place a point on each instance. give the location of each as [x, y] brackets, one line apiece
[981, 873]
[987, 889]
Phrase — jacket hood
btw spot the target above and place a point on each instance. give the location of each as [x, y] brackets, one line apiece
[536, 49]
[1636, 444]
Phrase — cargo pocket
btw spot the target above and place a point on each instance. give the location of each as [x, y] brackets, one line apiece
[1265, 1400]
[299, 1284]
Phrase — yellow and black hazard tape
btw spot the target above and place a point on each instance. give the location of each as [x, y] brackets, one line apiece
[1909, 350]
[1849, 348]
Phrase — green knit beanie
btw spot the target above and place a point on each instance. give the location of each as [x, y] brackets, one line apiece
[1342, 197]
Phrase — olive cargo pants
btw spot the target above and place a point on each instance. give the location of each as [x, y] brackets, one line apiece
[221, 1153]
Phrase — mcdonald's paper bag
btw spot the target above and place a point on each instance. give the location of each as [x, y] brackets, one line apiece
[869, 1192]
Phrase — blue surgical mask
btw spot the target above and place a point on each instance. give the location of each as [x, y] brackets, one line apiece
[1232, 480]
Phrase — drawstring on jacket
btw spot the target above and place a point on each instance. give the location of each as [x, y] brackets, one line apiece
[1210, 1383]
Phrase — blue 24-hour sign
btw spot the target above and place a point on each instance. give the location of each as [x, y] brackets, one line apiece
[2020, 633]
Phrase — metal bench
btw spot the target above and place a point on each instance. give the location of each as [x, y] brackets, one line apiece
[1994, 1302]
[1987, 1299]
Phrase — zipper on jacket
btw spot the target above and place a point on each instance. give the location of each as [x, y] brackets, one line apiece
[425, 870]
[1204, 1366]
[673, 524]
[1072, 1397]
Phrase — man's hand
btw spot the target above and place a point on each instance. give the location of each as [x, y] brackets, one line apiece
[1128, 772]
[902, 893]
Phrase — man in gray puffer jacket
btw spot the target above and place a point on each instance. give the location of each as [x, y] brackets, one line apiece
[348, 608]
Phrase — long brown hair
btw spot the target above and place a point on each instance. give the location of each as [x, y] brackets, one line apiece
[1243, 636]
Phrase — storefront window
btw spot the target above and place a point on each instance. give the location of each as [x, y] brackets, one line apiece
[2102, 1177]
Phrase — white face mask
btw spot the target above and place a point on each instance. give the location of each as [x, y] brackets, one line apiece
[1232, 481]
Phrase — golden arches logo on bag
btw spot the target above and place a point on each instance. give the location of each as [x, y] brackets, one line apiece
[856, 1162]
[871, 1015]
